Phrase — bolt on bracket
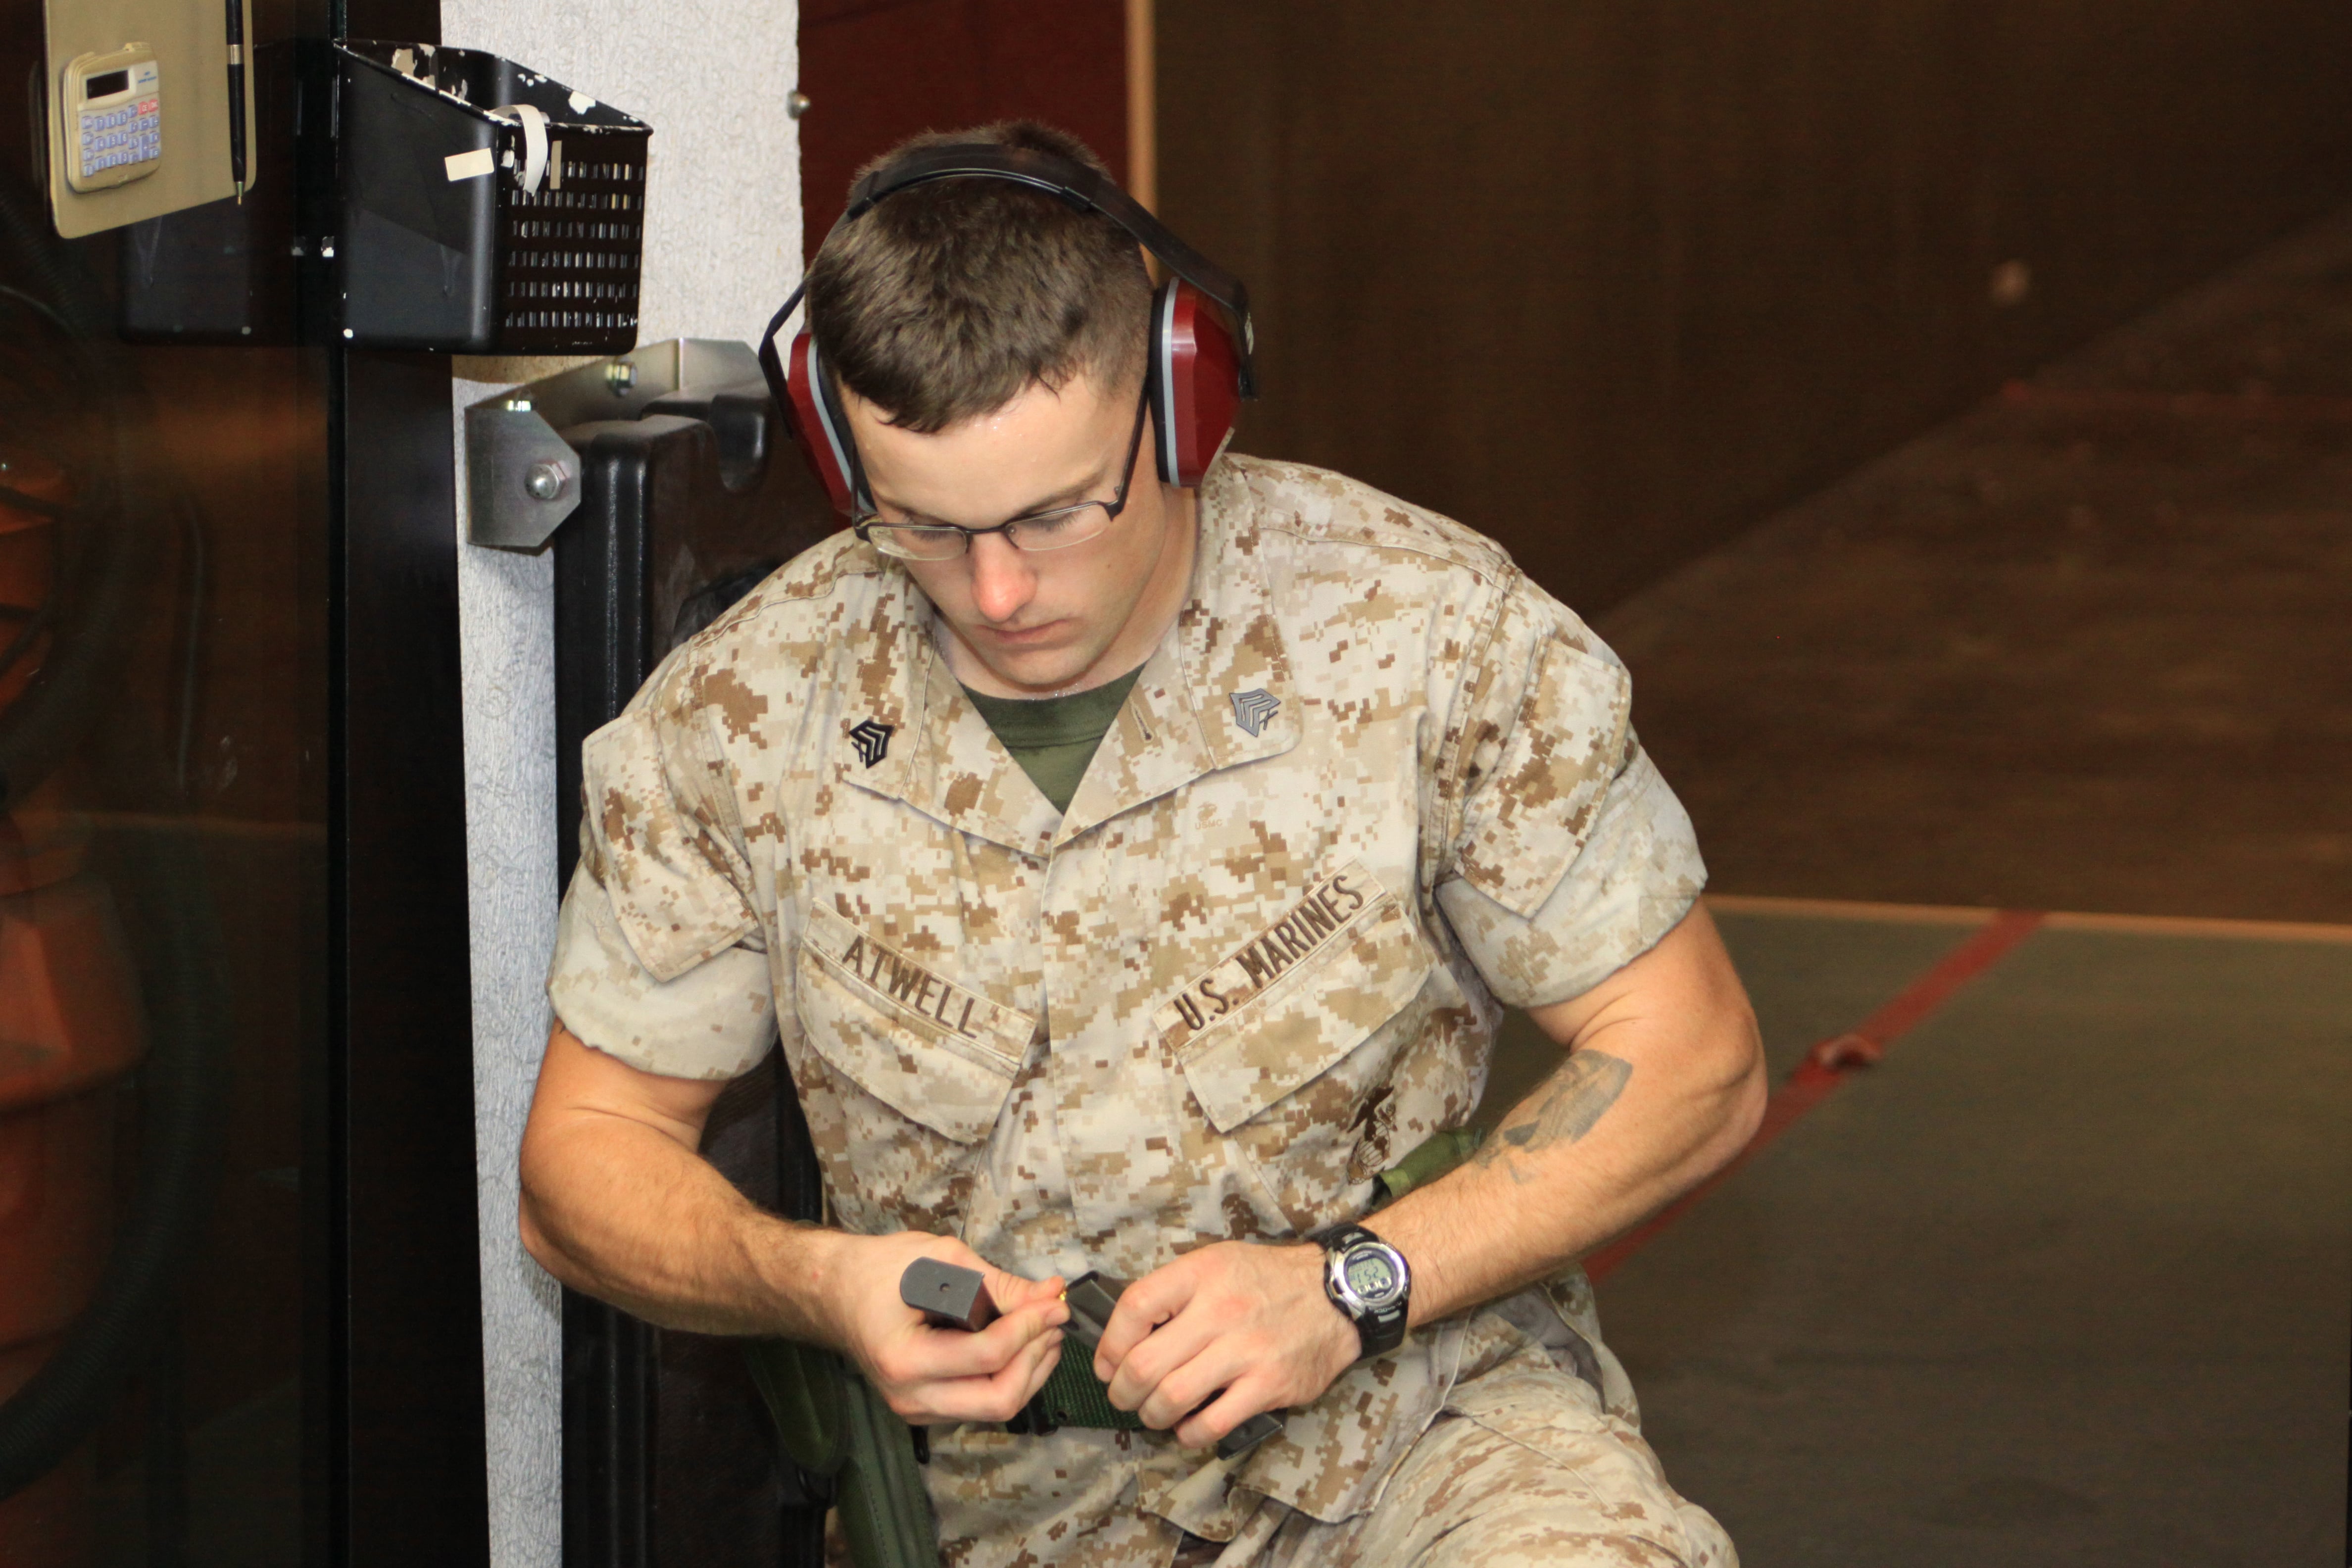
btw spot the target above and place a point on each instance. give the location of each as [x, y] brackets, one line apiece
[523, 480]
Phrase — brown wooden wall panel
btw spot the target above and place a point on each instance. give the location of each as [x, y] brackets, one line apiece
[877, 71]
[1606, 281]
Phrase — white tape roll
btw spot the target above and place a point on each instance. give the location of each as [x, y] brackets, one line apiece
[534, 140]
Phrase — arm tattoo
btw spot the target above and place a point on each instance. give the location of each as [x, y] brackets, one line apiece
[1578, 1095]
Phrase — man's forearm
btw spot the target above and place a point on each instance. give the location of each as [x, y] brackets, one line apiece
[629, 1214]
[1592, 1152]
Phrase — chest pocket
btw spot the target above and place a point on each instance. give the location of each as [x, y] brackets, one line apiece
[902, 1078]
[1297, 1070]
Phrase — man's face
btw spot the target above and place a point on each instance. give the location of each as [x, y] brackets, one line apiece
[1038, 621]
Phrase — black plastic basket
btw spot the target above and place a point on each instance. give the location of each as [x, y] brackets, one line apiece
[443, 248]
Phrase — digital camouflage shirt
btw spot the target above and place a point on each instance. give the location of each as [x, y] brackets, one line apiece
[1373, 784]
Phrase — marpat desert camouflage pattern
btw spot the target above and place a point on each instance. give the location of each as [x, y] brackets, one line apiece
[1249, 969]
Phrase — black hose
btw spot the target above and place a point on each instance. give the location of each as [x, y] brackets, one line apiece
[184, 1081]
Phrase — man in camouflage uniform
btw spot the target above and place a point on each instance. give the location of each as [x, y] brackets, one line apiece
[1370, 785]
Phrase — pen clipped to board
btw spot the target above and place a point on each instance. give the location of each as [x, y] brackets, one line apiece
[237, 126]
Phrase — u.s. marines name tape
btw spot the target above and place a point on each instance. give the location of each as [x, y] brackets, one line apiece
[1331, 907]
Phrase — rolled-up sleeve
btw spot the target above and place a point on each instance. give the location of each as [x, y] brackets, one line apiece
[659, 958]
[1572, 857]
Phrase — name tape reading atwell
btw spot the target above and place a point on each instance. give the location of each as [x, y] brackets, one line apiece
[887, 973]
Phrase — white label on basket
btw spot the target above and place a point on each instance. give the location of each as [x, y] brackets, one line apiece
[534, 140]
[470, 166]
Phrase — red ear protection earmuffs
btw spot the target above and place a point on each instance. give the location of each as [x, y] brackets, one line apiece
[1199, 366]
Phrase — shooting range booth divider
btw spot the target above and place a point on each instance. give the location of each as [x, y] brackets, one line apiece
[689, 496]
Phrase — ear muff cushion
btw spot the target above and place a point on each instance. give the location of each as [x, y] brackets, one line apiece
[817, 425]
[1196, 381]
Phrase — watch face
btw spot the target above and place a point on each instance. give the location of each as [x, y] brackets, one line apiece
[1370, 1275]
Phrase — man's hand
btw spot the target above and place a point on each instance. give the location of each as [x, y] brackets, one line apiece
[617, 1203]
[927, 1373]
[1251, 1320]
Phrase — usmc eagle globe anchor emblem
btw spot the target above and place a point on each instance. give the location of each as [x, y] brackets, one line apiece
[1252, 708]
[872, 741]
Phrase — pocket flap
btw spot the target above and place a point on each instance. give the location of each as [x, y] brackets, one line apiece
[931, 1050]
[1303, 1020]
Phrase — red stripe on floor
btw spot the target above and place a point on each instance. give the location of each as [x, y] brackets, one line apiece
[1828, 1065]
[2290, 406]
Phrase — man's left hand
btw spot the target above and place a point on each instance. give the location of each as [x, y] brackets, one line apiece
[1250, 1319]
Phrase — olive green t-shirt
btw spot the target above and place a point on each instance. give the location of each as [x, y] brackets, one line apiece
[1054, 738]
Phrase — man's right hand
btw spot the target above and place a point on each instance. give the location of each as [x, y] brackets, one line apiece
[928, 1375]
[617, 1203]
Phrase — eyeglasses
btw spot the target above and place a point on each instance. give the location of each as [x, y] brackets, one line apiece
[1057, 527]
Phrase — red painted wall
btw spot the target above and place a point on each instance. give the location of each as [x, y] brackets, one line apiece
[879, 70]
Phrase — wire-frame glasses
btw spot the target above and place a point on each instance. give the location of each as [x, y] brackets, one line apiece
[1057, 527]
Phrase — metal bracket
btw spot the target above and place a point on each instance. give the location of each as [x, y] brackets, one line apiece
[523, 480]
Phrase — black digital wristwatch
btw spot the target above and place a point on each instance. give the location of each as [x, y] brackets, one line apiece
[1368, 1281]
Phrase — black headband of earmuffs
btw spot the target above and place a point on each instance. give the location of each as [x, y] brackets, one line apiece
[1081, 187]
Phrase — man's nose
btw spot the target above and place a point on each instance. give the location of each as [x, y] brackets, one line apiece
[1003, 581]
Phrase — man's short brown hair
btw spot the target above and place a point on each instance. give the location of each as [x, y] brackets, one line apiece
[946, 301]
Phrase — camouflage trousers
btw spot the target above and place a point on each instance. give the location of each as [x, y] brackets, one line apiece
[1524, 1467]
[1535, 1457]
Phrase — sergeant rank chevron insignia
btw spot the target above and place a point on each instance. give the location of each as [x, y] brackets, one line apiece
[1252, 708]
[872, 740]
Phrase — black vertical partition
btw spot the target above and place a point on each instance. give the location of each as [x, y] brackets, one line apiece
[408, 1481]
[409, 1340]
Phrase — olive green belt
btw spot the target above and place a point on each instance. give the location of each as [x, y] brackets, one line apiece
[1073, 1396]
